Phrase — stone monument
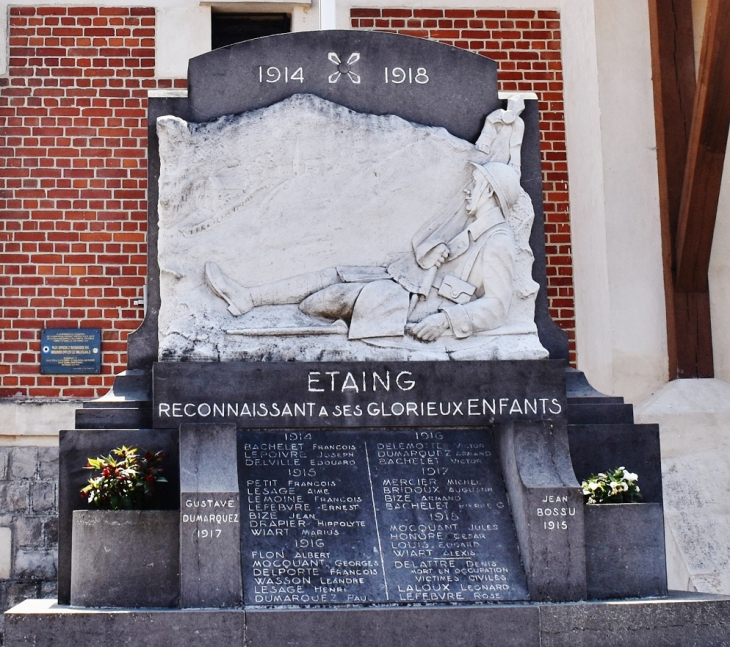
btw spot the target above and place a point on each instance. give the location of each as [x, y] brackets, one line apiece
[347, 355]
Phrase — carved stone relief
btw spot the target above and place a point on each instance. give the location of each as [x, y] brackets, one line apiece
[308, 231]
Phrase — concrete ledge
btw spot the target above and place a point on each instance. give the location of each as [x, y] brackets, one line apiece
[509, 625]
[680, 620]
[34, 422]
[43, 622]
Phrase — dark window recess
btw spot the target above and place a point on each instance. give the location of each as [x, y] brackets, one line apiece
[230, 28]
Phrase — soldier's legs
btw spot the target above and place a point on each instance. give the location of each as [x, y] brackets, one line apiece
[241, 299]
[333, 302]
[293, 289]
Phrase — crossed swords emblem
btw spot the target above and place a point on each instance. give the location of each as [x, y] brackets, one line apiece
[344, 67]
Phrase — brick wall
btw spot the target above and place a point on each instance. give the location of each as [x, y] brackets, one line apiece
[526, 46]
[72, 194]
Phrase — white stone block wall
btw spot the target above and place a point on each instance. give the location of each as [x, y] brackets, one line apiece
[28, 524]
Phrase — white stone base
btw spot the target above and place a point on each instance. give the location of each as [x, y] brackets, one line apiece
[694, 418]
[35, 423]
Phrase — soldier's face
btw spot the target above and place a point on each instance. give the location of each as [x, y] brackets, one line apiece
[480, 186]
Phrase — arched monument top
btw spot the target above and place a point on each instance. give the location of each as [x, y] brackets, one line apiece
[371, 72]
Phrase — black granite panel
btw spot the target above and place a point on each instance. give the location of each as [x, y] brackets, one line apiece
[364, 516]
[446, 526]
[596, 448]
[625, 551]
[553, 338]
[115, 553]
[114, 417]
[74, 450]
[371, 72]
[357, 394]
[599, 413]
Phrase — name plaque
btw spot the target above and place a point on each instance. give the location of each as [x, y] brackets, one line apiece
[368, 516]
[69, 351]
[362, 394]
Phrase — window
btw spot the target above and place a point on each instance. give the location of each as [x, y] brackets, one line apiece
[229, 28]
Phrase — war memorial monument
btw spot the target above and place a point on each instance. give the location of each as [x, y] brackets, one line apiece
[372, 433]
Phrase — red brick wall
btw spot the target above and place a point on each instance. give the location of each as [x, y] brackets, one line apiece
[526, 46]
[73, 140]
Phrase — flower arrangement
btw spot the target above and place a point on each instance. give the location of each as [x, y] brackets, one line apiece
[128, 479]
[612, 486]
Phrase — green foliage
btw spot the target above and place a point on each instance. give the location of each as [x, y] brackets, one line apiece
[128, 479]
[612, 486]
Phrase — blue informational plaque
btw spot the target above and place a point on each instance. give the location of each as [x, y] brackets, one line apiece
[68, 351]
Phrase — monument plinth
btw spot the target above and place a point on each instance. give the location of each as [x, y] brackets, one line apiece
[349, 360]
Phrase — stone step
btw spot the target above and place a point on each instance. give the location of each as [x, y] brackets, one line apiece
[679, 620]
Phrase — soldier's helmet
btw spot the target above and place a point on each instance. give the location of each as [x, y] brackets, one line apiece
[504, 180]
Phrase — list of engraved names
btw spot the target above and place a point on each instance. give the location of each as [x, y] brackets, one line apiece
[345, 517]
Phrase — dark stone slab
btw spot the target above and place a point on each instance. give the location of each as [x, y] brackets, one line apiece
[75, 448]
[364, 516]
[681, 620]
[463, 493]
[210, 557]
[125, 404]
[553, 338]
[357, 394]
[127, 558]
[547, 507]
[603, 413]
[625, 550]
[595, 448]
[130, 387]
[497, 626]
[386, 74]
[114, 418]
[581, 392]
